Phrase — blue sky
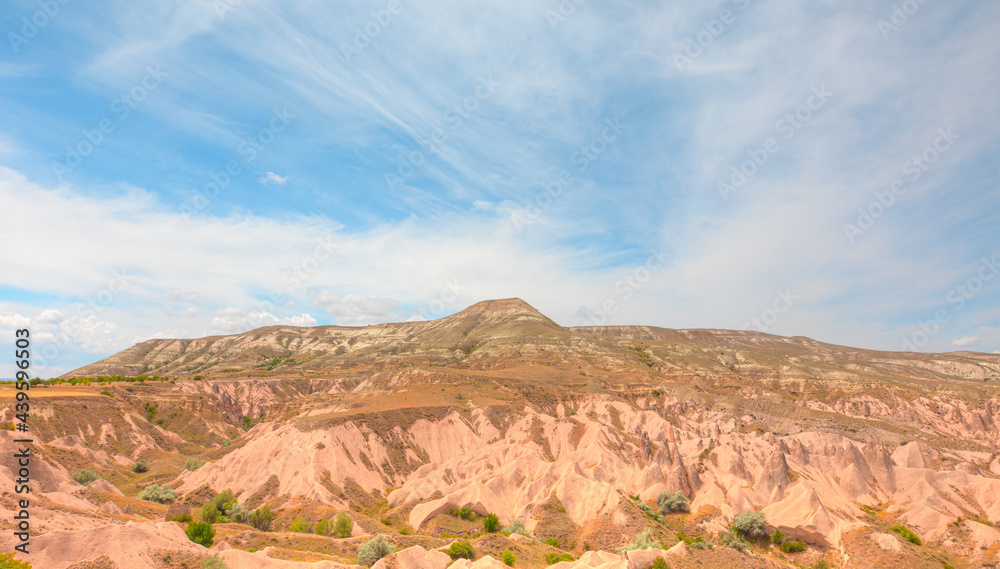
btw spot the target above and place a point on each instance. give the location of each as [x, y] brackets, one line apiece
[674, 164]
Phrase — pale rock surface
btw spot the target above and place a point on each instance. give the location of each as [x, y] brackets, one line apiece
[415, 557]
[103, 485]
[887, 542]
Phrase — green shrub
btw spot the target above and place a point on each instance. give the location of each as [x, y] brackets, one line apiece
[793, 547]
[673, 503]
[86, 476]
[642, 541]
[461, 549]
[224, 502]
[239, 514]
[261, 518]
[140, 467]
[906, 534]
[193, 464]
[7, 561]
[735, 540]
[151, 409]
[491, 523]
[777, 538]
[516, 526]
[701, 545]
[201, 533]
[343, 525]
[374, 549]
[821, 564]
[405, 530]
[227, 443]
[323, 527]
[108, 393]
[209, 513]
[386, 522]
[551, 541]
[300, 525]
[156, 493]
[181, 519]
[508, 558]
[552, 558]
[750, 525]
[214, 562]
[659, 563]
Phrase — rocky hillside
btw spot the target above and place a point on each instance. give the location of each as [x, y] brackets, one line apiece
[577, 435]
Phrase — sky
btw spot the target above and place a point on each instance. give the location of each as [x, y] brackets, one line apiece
[199, 167]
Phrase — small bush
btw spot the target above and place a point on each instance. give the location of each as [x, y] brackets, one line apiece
[508, 558]
[86, 476]
[201, 533]
[551, 541]
[516, 526]
[659, 563]
[140, 467]
[735, 541]
[181, 519]
[821, 564]
[7, 561]
[777, 538]
[750, 525]
[405, 530]
[261, 518]
[108, 393]
[323, 527]
[906, 534]
[491, 523]
[386, 522]
[156, 493]
[461, 549]
[239, 514]
[793, 547]
[673, 503]
[210, 513]
[374, 549]
[214, 562]
[193, 464]
[552, 558]
[227, 443]
[300, 525]
[701, 545]
[343, 525]
[224, 501]
[642, 541]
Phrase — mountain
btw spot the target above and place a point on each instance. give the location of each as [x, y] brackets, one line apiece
[420, 429]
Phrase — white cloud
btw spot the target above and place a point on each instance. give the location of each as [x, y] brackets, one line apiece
[355, 309]
[236, 320]
[965, 341]
[272, 178]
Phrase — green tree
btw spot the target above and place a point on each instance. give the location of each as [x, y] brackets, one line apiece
[261, 518]
[508, 558]
[7, 561]
[343, 525]
[323, 527]
[491, 523]
[374, 549]
[201, 533]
